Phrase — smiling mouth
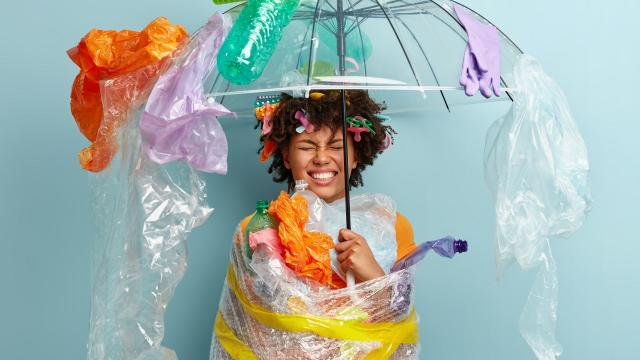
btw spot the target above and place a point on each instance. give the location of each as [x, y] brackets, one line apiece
[323, 177]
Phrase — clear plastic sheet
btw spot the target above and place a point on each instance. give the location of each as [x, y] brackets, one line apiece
[372, 215]
[143, 213]
[536, 165]
[309, 321]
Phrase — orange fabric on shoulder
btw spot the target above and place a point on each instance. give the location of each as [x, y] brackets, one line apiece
[245, 222]
[404, 237]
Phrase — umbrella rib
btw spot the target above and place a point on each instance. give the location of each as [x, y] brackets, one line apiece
[357, 24]
[428, 62]
[352, 6]
[492, 24]
[215, 82]
[302, 48]
[400, 42]
[312, 47]
[373, 7]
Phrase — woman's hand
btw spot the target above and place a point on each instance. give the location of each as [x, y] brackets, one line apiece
[354, 254]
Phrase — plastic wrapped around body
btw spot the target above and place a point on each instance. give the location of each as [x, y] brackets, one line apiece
[268, 312]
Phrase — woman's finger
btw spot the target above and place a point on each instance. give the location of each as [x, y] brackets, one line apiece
[344, 245]
[346, 235]
[346, 265]
[347, 253]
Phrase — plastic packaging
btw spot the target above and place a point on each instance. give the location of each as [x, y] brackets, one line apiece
[267, 311]
[180, 122]
[305, 252]
[260, 221]
[253, 39]
[372, 215]
[445, 247]
[143, 213]
[537, 167]
[109, 55]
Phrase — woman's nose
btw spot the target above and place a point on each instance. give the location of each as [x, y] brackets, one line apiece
[322, 157]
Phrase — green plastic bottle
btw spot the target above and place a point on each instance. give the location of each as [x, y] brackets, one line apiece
[253, 38]
[259, 221]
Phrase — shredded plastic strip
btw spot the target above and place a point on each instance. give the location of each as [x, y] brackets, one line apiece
[143, 212]
[537, 167]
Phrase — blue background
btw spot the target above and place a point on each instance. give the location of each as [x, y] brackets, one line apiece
[45, 230]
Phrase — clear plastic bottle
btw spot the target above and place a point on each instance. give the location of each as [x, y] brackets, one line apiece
[259, 221]
[445, 247]
[253, 39]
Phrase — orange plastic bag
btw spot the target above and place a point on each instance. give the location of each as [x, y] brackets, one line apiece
[307, 253]
[107, 55]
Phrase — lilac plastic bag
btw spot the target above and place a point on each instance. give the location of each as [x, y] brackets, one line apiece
[179, 121]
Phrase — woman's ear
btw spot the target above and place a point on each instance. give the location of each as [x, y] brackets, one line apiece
[285, 158]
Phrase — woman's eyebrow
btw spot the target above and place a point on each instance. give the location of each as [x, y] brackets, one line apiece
[308, 141]
[335, 140]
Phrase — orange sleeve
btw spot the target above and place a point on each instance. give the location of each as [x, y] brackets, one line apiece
[245, 222]
[404, 237]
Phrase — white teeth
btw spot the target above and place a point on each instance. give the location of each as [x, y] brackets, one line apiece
[323, 176]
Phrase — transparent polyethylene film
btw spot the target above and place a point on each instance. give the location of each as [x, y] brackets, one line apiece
[537, 167]
[143, 213]
[268, 312]
[424, 38]
[372, 215]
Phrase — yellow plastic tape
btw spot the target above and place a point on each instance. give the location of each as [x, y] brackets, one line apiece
[390, 334]
[234, 346]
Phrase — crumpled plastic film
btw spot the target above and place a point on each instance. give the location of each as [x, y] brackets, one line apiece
[143, 213]
[180, 121]
[372, 215]
[536, 165]
[109, 55]
[268, 312]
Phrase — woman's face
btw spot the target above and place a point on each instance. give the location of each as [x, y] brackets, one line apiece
[317, 158]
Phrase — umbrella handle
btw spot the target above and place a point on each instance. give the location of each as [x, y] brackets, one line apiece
[351, 280]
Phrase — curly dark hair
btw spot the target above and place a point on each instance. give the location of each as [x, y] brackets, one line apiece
[327, 111]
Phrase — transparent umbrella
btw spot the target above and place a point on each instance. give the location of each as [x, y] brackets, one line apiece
[414, 46]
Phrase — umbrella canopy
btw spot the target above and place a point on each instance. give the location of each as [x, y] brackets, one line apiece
[414, 46]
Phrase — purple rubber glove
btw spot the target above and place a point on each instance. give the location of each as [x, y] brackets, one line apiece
[481, 62]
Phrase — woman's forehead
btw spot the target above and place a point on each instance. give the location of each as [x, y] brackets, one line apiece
[322, 135]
